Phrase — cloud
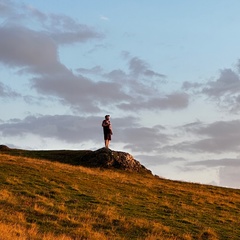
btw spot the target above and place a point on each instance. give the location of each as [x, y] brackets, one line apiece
[66, 128]
[35, 13]
[174, 101]
[35, 52]
[104, 18]
[139, 67]
[228, 170]
[6, 92]
[225, 90]
[189, 85]
[220, 128]
[143, 139]
[63, 29]
[227, 83]
[80, 92]
[144, 86]
[229, 176]
[117, 88]
[73, 129]
[6, 7]
[224, 162]
[22, 47]
[78, 34]
[97, 70]
[224, 136]
[157, 160]
[217, 137]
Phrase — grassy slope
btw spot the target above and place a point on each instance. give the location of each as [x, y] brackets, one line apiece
[45, 199]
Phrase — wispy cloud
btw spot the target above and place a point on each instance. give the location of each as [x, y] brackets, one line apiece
[224, 90]
[104, 18]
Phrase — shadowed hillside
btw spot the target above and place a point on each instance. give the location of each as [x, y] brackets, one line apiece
[102, 158]
[44, 197]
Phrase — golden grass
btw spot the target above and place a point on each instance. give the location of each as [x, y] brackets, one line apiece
[40, 199]
[18, 232]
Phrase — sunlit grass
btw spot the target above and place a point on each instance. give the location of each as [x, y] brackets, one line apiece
[42, 199]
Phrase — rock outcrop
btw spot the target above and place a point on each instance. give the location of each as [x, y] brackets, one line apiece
[4, 148]
[101, 158]
[107, 158]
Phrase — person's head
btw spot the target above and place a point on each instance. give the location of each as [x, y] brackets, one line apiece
[107, 117]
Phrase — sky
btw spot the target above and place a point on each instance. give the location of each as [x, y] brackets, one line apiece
[168, 73]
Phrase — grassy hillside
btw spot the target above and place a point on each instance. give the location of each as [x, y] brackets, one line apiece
[48, 200]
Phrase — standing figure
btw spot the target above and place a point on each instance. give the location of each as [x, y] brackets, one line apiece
[107, 130]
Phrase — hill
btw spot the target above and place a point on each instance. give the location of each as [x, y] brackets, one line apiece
[46, 195]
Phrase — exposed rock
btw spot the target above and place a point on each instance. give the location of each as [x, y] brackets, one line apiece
[107, 158]
[4, 148]
[102, 158]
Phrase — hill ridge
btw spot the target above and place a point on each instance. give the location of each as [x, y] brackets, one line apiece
[50, 200]
[103, 158]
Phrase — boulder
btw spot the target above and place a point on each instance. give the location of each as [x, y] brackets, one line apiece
[106, 158]
[4, 148]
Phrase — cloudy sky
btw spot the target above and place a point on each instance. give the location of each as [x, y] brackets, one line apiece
[168, 73]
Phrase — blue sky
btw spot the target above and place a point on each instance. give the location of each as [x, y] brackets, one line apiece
[168, 73]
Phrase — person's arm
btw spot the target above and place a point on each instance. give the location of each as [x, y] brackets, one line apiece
[110, 127]
[105, 123]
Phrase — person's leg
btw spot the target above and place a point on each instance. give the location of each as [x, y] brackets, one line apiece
[106, 143]
[107, 139]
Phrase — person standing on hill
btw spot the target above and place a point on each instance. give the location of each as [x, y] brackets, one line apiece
[107, 130]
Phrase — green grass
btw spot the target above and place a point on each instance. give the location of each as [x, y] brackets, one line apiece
[43, 197]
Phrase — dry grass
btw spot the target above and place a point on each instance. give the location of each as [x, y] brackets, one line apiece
[18, 232]
[41, 199]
